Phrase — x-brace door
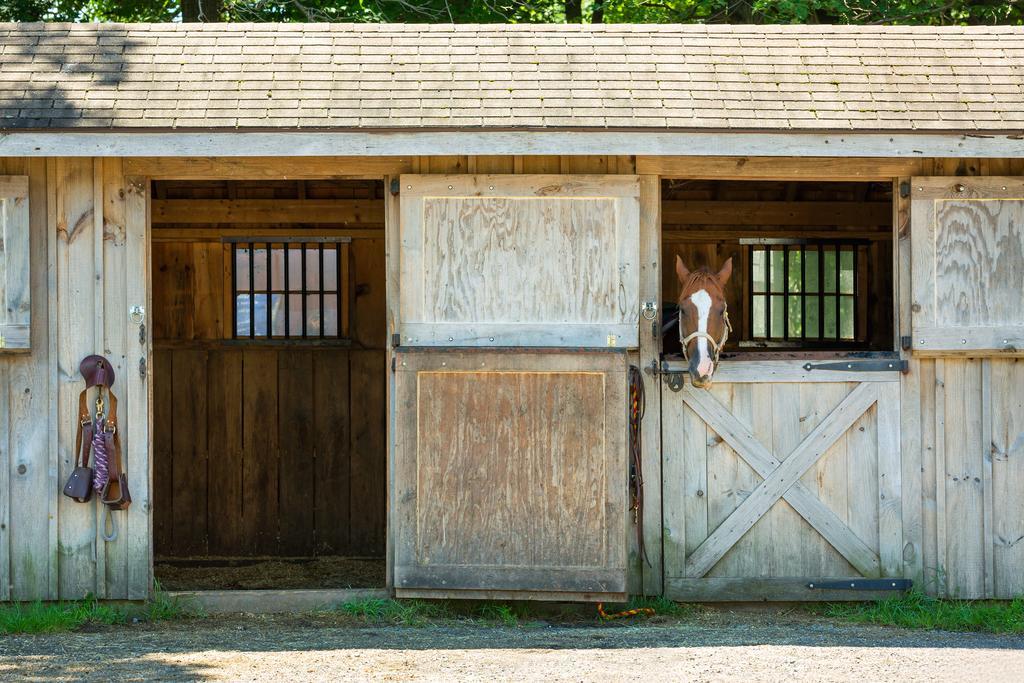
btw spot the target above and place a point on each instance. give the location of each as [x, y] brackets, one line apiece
[780, 484]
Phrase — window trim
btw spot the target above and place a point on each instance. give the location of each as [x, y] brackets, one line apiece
[861, 329]
[343, 289]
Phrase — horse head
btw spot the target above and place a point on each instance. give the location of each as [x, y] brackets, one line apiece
[703, 318]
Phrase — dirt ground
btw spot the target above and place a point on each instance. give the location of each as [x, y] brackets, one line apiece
[719, 646]
[322, 572]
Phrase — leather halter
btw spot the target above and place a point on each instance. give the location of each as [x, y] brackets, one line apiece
[716, 344]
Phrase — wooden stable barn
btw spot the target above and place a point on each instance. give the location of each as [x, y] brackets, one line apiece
[372, 296]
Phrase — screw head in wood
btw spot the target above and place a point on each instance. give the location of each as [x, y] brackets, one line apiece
[959, 187]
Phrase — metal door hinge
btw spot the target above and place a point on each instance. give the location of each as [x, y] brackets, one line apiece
[674, 378]
[395, 186]
[396, 341]
[906, 342]
[142, 367]
[862, 585]
[905, 189]
[861, 366]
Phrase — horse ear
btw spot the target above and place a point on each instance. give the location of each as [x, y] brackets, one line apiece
[725, 272]
[681, 271]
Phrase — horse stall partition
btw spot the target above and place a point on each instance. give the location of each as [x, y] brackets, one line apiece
[269, 384]
[782, 481]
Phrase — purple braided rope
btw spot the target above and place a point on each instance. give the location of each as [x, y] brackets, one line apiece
[99, 450]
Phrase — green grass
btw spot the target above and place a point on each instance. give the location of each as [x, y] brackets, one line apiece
[37, 617]
[514, 614]
[53, 617]
[917, 610]
[400, 612]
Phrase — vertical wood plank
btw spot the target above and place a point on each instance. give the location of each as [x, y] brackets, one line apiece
[1007, 450]
[208, 290]
[725, 483]
[52, 372]
[368, 387]
[787, 527]
[964, 504]
[6, 459]
[225, 440]
[100, 273]
[332, 438]
[295, 425]
[110, 226]
[392, 244]
[890, 496]
[136, 435]
[650, 352]
[911, 418]
[693, 451]
[76, 303]
[929, 505]
[862, 473]
[987, 540]
[188, 443]
[260, 465]
[369, 328]
[32, 461]
[941, 543]
[163, 453]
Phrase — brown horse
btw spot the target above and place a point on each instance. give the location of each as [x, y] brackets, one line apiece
[703, 318]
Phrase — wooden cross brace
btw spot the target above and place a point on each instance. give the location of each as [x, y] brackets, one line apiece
[781, 479]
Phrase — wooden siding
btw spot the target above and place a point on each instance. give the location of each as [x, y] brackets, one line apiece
[88, 267]
[962, 436]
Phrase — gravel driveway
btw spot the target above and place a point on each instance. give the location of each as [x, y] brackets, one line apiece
[716, 646]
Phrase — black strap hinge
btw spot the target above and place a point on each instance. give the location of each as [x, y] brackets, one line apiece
[883, 365]
[862, 585]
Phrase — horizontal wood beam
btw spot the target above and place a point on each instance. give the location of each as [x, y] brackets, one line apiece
[215, 234]
[335, 211]
[266, 168]
[779, 168]
[757, 589]
[950, 143]
[687, 212]
[701, 235]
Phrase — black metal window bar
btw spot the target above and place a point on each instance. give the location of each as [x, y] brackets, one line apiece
[805, 292]
[289, 288]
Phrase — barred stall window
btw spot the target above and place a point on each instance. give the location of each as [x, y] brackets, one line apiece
[290, 289]
[806, 292]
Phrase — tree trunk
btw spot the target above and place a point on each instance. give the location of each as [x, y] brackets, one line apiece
[573, 11]
[597, 14]
[189, 11]
[202, 10]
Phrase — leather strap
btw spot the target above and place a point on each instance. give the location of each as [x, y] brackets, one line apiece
[83, 438]
[716, 345]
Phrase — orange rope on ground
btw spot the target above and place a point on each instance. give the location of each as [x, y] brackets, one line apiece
[626, 613]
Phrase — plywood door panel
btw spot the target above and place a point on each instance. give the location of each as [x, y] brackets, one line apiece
[519, 260]
[822, 519]
[967, 237]
[511, 472]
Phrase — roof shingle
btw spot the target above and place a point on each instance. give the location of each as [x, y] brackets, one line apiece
[680, 77]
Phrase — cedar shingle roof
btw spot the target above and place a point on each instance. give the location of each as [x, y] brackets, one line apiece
[366, 76]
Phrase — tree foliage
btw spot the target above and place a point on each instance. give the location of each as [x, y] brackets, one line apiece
[934, 12]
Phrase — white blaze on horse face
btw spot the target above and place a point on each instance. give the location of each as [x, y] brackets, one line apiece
[702, 300]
